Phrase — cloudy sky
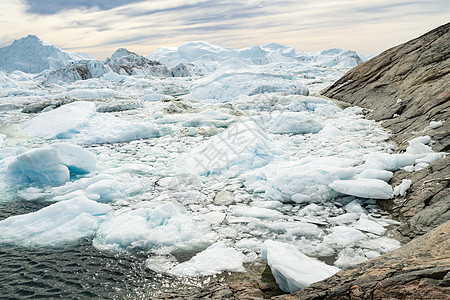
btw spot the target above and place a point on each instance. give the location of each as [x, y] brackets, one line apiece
[100, 27]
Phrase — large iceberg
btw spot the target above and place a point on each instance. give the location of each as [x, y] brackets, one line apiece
[61, 122]
[292, 269]
[80, 122]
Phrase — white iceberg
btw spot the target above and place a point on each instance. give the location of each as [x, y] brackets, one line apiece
[226, 84]
[60, 223]
[80, 122]
[213, 260]
[62, 122]
[364, 188]
[51, 165]
[292, 269]
[242, 146]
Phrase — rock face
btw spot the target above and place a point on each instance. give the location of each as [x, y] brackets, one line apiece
[412, 81]
[418, 270]
[427, 203]
[408, 87]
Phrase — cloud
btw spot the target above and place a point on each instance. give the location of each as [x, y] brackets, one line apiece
[142, 26]
[46, 7]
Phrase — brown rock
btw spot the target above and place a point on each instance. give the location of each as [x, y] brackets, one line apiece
[418, 73]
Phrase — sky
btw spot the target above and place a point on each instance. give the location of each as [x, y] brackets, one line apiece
[99, 27]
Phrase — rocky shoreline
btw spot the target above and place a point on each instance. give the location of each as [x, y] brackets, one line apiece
[406, 88]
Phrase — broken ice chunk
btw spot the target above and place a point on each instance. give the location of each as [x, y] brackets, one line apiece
[292, 269]
[364, 188]
[50, 165]
[402, 187]
[215, 259]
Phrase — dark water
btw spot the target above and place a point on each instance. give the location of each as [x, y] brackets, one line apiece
[77, 271]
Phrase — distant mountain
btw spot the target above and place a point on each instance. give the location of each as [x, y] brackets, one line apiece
[33, 55]
[122, 62]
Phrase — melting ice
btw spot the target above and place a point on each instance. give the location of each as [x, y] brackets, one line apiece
[231, 162]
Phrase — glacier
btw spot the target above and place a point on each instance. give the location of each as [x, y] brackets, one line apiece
[204, 158]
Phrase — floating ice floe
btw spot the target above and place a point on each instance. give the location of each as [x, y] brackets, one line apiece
[50, 165]
[213, 260]
[62, 122]
[103, 187]
[241, 147]
[292, 269]
[80, 122]
[364, 188]
[55, 225]
[294, 123]
[165, 227]
[209, 118]
[310, 176]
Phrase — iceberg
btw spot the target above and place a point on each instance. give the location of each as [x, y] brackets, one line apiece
[292, 269]
[80, 122]
[213, 260]
[33, 55]
[282, 180]
[50, 165]
[294, 123]
[55, 225]
[226, 83]
[62, 122]
[364, 188]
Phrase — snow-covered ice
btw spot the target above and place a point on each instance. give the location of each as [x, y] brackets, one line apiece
[61, 122]
[168, 226]
[80, 121]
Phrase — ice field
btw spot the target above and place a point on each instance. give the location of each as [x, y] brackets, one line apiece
[226, 154]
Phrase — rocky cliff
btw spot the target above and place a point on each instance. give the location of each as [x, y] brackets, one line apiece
[407, 88]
